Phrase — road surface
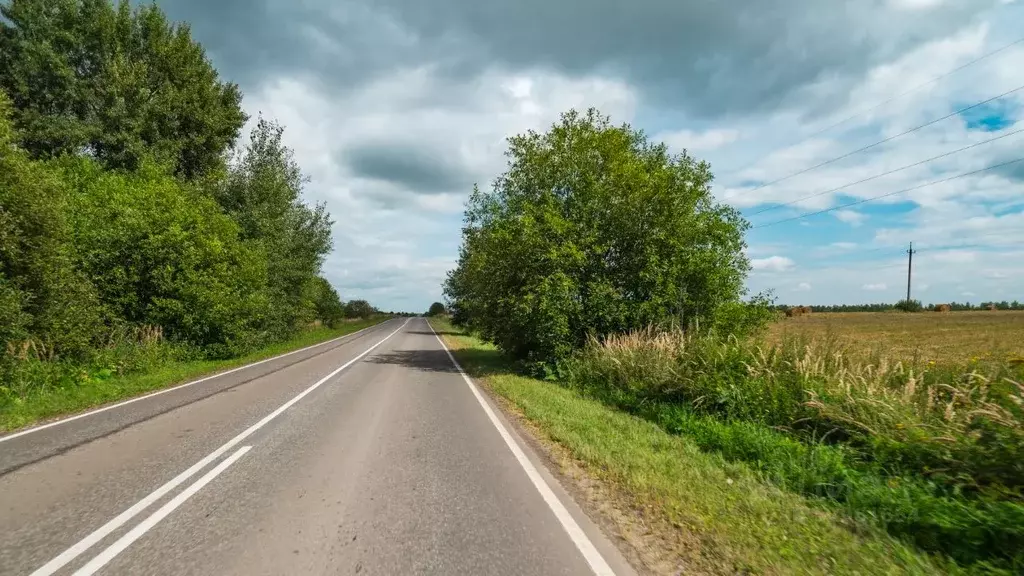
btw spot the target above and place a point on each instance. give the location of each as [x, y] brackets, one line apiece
[371, 454]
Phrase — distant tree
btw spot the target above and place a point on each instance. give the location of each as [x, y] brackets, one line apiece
[358, 309]
[594, 229]
[909, 305]
[114, 83]
[329, 308]
[436, 309]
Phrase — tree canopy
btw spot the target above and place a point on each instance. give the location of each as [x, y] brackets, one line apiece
[593, 229]
[115, 83]
[436, 309]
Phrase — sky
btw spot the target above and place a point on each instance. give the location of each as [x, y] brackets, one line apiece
[395, 108]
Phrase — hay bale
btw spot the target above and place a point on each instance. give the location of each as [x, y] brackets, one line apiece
[943, 308]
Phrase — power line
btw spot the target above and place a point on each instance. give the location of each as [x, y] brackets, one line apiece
[890, 138]
[875, 177]
[883, 103]
[864, 200]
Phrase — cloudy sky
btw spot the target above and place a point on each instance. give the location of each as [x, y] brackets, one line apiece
[396, 107]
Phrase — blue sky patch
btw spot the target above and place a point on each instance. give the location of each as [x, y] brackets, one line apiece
[990, 117]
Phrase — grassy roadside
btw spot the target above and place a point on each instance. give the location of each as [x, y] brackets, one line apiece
[725, 520]
[45, 403]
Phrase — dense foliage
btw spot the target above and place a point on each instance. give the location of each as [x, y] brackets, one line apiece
[116, 83]
[436, 309]
[128, 218]
[593, 230]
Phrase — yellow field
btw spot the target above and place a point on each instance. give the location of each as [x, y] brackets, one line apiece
[949, 336]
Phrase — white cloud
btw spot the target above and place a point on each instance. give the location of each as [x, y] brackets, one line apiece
[968, 294]
[393, 243]
[772, 264]
[874, 287]
[844, 245]
[851, 217]
[802, 287]
[915, 4]
[690, 140]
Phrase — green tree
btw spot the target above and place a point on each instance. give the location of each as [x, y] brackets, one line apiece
[163, 254]
[42, 294]
[909, 305]
[591, 230]
[263, 193]
[358, 309]
[115, 83]
[329, 308]
[436, 309]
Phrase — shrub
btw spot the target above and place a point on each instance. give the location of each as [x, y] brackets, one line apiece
[165, 255]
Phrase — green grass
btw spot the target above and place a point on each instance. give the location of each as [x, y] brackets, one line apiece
[44, 402]
[737, 522]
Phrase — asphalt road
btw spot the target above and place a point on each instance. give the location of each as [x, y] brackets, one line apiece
[371, 454]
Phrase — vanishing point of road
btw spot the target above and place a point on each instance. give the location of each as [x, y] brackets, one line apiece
[369, 454]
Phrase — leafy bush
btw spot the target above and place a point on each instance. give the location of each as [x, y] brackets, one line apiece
[594, 230]
[436, 309]
[166, 256]
[909, 305]
[42, 294]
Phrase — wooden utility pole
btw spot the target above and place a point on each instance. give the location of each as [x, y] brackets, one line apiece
[910, 266]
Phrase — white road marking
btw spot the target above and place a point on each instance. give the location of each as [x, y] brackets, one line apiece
[135, 533]
[579, 538]
[172, 389]
[103, 531]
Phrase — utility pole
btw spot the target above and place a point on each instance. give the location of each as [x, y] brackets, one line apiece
[910, 266]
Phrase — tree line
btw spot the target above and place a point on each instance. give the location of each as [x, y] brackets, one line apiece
[913, 306]
[127, 202]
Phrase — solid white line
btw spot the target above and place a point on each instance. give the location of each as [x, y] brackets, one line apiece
[135, 533]
[172, 389]
[579, 538]
[103, 531]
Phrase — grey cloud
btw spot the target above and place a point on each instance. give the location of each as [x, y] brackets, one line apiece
[708, 58]
[409, 167]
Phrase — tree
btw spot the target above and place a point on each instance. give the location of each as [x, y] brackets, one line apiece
[436, 309]
[329, 308]
[263, 193]
[909, 305]
[162, 254]
[358, 309]
[116, 84]
[592, 230]
[42, 294]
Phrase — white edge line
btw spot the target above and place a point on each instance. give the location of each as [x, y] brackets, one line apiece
[103, 531]
[579, 538]
[135, 533]
[173, 388]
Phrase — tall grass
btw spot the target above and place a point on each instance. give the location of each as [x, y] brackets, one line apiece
[934, 453]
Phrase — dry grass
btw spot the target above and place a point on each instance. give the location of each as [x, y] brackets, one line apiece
[928, 336]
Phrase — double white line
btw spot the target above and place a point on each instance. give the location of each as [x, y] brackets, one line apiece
[135, 533]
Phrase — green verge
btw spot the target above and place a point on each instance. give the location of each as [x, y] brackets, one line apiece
[50, 402]
[742, 524]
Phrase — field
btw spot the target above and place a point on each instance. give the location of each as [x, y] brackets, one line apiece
[927, 336]
[901, 434]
